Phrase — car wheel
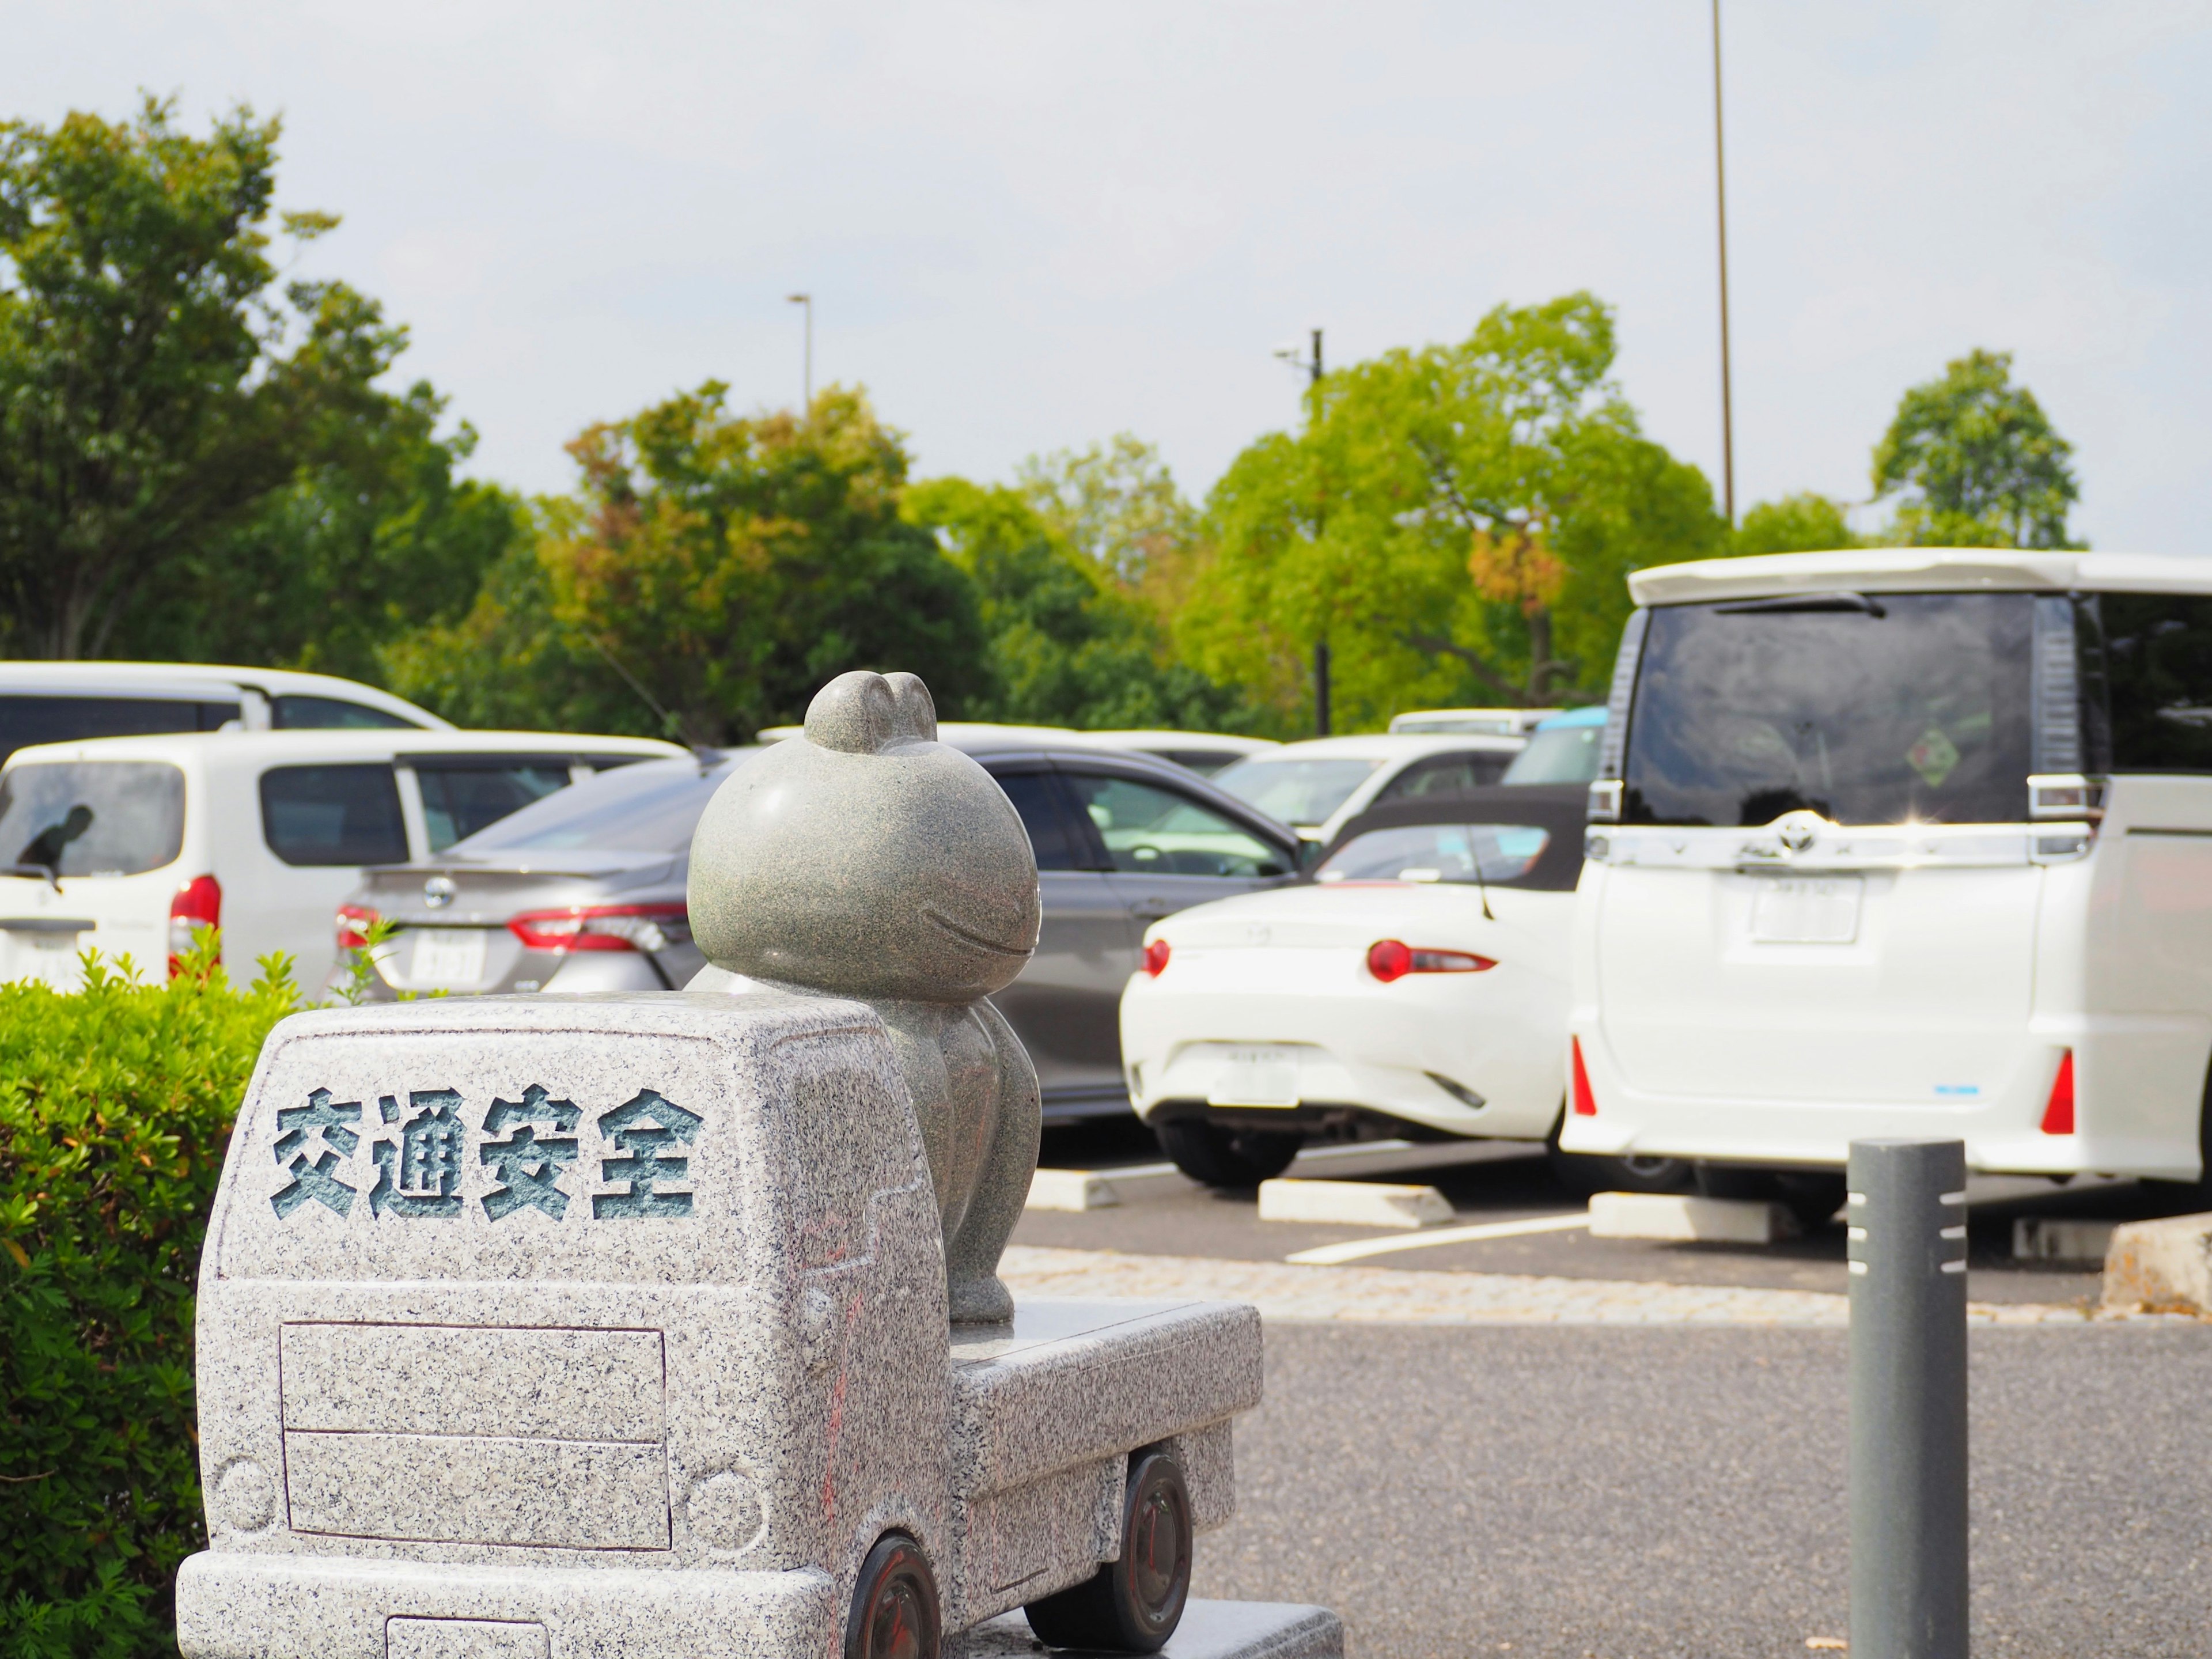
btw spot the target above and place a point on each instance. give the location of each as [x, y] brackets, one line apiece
[894, 1609]
[1218, 1156]
[1811, 1196]
[1591, 1172]
[1131, 1605]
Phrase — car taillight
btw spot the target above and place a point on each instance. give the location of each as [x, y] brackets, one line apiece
[198, 903]
[2059, 1110]
[1389, 959]
[1156, 957]
[1585, 1102]
[354, 922]
[604, 927]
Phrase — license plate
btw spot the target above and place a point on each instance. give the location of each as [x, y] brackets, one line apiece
[447, 955]
[1807, 910]
[1257, 1076]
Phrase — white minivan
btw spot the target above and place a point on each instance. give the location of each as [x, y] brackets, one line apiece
[124, 845]
[1902, 842]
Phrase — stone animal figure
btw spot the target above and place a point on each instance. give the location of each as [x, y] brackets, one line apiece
[868, 861]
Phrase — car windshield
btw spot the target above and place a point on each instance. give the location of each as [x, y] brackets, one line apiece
[93, 818]
[1564, 754]
[1907, 707]
[1296, 790]
[651, 807]
[1439, 852]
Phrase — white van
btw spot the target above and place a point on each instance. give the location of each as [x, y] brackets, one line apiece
[1903, 842]
[66, 702]
[126, 844]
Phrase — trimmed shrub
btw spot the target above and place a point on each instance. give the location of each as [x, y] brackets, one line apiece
[116, 1105]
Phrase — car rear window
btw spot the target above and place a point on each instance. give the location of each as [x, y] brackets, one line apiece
[332, 815]
[93, 818]
[1904, 707]
[292, 713]
[25, 720]
[1296, 790]
[1563, 754]
[651, 807]
[458, 800]
[1444, 775]
[1469, 853]
[2158, 669]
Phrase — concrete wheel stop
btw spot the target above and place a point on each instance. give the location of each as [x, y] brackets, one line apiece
[669, 1325]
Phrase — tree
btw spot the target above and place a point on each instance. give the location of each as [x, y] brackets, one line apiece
[1455, 522]
[153, 392]
[1803, 523]
[710, 573]
[1116, 504]
[1974, 462]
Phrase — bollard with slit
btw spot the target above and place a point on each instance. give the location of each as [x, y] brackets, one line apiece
[1907, 1216]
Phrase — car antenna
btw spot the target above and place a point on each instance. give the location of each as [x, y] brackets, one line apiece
[1482, 887]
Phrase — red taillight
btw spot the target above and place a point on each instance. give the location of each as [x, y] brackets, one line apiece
[354, 922]
[1585, 1102]
[1156, 957]
[1389, 958]
[2059, 1110]
[198, 903]
[603, 927]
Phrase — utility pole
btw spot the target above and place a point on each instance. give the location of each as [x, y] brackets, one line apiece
[1312, 365]
[807, 300]
[1720, 197]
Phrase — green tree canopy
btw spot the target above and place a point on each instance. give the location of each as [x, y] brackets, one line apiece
[1455, 522]
[709, 574]
[1974, 462]
[1803, 523]
[156, 393]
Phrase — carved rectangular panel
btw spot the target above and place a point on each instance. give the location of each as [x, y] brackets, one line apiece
[464, 1638]
[570, 1494]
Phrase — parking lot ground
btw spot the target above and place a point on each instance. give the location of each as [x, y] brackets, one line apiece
[1595, 1493]
[1161, 1213]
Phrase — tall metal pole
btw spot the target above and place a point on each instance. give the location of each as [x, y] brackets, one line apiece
[1720, 193]
[1320, 646]
[807, 300]
[1908, 1425]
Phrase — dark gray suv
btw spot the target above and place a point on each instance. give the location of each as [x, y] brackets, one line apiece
[585, 891]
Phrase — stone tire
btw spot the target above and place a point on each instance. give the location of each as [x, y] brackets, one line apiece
[1131, 1605]
[895, 1613]
[1218, 1156]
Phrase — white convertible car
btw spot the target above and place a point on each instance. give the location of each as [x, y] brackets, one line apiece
[1415, 983]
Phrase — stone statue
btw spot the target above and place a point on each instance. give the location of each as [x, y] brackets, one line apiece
[868, 861]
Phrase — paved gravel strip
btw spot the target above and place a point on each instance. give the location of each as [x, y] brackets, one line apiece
[1389, 1296]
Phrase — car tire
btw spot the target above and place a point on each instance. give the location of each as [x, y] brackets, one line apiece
[1591, 1172]
[1811, 1196]
[1216, 1155]
[1133, 1603]
[895, 1613]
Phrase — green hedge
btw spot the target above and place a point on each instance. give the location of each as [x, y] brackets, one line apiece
[116, 1104]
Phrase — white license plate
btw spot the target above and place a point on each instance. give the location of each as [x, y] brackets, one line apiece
[1266, 1076]
[447, 955]
[1807, 910]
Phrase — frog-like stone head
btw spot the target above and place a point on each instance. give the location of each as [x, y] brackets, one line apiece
[866, 857]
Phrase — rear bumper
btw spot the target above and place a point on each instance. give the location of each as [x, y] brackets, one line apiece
[237, 1606]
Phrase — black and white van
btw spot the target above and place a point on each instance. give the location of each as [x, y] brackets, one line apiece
[1903, 841]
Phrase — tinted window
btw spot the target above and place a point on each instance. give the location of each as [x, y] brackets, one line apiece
[332, 815]
[1565, 754]
[1917, 708]
[459, 800]
[1439, 852]
[1443, 774]
[25, 720]
[322, 713]
[1158, 832]
[93, 818]
[1296, 790]
[1034, 797]
[651, 807]
[2157, 665]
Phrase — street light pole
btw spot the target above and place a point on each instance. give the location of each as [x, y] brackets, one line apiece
[1720, 198]
[1313, 369]
[807, 300]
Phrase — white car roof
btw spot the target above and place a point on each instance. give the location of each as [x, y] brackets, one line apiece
[1393, 745]
[156, 679]
[1510, 722]
[1147, 740]
[339, 743]
[1919, 569]
[955, 731]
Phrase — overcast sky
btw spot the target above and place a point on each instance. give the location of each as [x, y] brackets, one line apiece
[1032, 226]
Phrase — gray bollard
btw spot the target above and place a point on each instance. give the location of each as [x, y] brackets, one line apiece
[1908, 1477]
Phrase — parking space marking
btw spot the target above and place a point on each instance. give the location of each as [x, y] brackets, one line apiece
[1354, 1249]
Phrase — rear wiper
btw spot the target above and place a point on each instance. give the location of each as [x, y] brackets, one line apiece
[1786, 603]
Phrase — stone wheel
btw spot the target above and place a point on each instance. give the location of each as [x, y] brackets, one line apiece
[894, 1610]
[1132, 1605]
[1219, 1156]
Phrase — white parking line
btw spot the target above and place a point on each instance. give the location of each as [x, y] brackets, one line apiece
[1328, 1255]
